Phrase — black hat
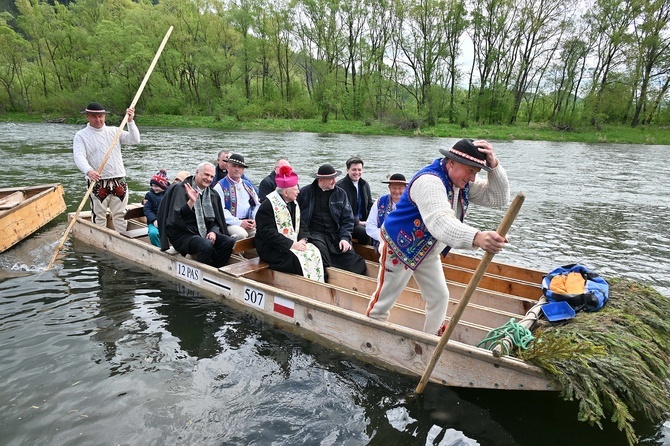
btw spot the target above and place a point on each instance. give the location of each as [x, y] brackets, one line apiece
[95, 108]
[465, 152]
[236, 158]
[327, 171]
[396, 178]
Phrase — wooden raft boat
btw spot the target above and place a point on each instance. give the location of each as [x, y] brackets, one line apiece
[24, 210]
[334, 313]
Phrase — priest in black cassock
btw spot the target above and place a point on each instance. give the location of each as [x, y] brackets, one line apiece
[329, 221]
[190, 217]
[280, 239]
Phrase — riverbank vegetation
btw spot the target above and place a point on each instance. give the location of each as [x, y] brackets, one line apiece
[502, 70]
[615, 134]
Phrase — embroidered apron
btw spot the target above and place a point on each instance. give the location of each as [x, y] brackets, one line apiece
[310, 259]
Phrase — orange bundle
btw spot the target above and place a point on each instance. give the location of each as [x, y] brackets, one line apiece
[571, 283]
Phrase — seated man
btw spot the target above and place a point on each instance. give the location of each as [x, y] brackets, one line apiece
[360, 198]
[238, 199]
[268, 184]
[383, 206]
[280, 240]
[328, 221]
[190, 217]
[221, 166]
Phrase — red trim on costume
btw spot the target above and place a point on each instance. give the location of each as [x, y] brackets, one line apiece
[466, 156]
[380, 281]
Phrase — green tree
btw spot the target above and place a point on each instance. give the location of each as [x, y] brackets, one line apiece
[540, 25]
[652, 38]
[610, 21]
[241, 20]
[320, 44]
[568, 74]
[381, 23]
[456, 24]
[422, 38]
[354, 17]
[12, 60]
[280, 29]
[491, 29]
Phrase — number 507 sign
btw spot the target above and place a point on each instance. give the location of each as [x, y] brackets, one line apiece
[254, 297]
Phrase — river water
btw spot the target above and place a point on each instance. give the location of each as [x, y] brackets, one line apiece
[98, 351]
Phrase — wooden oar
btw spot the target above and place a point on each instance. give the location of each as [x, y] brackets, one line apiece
[111, 146]
[504, 226]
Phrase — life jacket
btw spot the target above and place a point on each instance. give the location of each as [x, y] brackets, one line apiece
[580, 287]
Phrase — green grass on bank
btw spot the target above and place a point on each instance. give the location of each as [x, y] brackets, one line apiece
[532, 132]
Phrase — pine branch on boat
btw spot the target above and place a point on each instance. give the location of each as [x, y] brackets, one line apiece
[615, 362]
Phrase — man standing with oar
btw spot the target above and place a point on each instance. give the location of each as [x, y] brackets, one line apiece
[428, 220]
[90, 147]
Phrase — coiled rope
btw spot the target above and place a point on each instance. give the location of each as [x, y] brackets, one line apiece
[510, 333]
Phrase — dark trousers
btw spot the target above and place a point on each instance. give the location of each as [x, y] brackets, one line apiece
[215, 254]
[359, 234]
[332, 256]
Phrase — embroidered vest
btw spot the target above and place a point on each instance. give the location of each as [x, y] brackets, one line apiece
[384, 206]
[404, 230]
[230, 196]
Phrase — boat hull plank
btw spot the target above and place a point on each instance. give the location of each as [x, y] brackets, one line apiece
[333, 315]
[39, 206]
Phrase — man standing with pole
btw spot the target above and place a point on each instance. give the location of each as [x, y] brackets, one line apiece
[90, 146]
[111, 146]
[428, 220]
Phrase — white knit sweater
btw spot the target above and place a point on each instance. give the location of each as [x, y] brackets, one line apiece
[442, 221]
[90, 146]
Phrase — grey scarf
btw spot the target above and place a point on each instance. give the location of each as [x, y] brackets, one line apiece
[204, 211]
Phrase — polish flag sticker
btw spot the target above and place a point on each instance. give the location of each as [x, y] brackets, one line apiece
[284, 306]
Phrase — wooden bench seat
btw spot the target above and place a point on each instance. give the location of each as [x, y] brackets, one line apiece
[246, 244]
[134, 211]
[135, 233]
[245, 267]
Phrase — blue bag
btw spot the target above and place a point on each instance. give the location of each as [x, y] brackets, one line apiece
[593, 296]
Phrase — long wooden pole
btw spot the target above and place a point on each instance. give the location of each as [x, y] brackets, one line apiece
[504, 226]
[111, 146]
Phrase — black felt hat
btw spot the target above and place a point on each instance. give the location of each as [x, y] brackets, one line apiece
[95, 108]
[465, 152]
[396, 178]
[238, 159]
[327, 171]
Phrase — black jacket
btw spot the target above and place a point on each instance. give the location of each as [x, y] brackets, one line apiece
[152, 204]
[366, 196]
[219, 174]
[340, 210]
[267, 185]
[174, 213]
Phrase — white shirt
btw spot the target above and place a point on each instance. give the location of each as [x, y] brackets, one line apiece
[90, 146]
[243, 206]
